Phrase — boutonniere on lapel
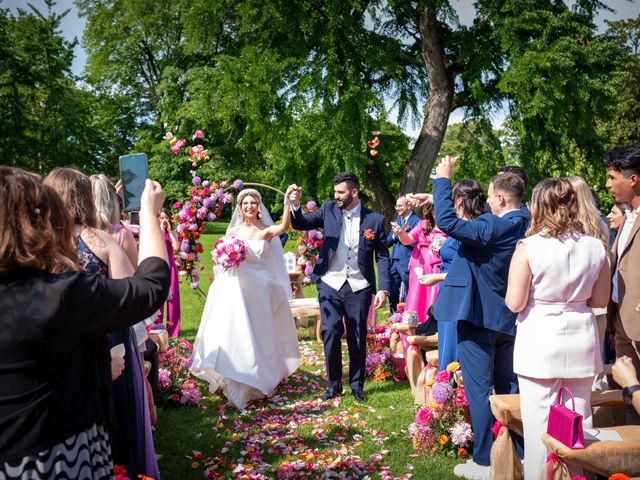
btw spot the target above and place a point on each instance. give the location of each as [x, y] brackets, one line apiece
[407, 228]
[369, 234]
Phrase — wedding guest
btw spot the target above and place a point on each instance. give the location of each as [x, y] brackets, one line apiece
[558, 274]
[519, 171]
[400, 253]
[173, 302]
[469, 202]
[593, 225]
[109, 211]
[428, 239]
[473, 295]
[625, 375]
[616, 219]
[52, 411]
[623, 170]
[99, 254]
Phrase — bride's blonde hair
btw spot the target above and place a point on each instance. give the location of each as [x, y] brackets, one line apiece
[250, 192]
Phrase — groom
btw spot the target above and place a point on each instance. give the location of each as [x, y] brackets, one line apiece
[345, 276]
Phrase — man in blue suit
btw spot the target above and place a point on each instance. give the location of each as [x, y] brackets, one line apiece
[476, 287]
[345, 276]
[400, 254]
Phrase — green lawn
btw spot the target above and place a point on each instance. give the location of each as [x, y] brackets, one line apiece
[343, 430]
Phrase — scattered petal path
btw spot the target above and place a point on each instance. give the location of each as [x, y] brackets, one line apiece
[289, 438]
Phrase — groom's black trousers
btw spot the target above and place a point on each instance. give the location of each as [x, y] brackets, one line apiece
[353, 307]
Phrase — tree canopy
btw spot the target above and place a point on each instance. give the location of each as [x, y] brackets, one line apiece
[291, 91]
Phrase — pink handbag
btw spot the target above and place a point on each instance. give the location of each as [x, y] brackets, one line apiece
[566, 425]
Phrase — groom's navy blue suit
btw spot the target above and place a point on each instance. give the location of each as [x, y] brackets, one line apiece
[473, 294]
[352, 306]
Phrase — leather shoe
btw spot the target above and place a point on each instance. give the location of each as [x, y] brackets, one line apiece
[332, 392]
[359, 395]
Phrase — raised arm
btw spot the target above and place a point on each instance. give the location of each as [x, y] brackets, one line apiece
[299, 220]
[276, 230]
[519, 280]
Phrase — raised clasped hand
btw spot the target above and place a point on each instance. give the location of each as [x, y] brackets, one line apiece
[293, 194]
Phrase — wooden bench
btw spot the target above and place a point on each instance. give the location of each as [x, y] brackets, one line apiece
[302, 309]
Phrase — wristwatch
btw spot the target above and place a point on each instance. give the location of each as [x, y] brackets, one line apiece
[627, 393]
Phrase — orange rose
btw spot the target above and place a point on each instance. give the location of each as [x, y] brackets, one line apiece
[119, 470]
[462, 453]
[619, 476]
[443, 440]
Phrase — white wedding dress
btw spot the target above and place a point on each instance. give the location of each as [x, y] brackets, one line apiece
[247, 341]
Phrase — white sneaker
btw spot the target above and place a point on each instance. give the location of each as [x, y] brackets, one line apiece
[472, 471]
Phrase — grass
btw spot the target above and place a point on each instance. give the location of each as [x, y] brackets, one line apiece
[389, 409]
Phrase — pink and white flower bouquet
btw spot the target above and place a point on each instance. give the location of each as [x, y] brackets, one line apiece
[442, 425]
[229, 252]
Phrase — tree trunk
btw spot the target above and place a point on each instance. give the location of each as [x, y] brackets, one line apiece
[382, 199]
[434, 126]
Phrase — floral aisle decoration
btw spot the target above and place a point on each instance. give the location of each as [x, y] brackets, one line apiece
[205, 204]
[176, 385]
[379, 363]
[442, 425]
[308, 247]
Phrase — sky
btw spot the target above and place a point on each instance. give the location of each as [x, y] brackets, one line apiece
[72, 27]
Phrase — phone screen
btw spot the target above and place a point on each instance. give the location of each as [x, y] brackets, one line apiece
[133, 172]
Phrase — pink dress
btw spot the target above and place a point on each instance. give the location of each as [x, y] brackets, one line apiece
[421, 297]
[173, 302]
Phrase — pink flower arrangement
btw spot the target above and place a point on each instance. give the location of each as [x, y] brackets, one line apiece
[308, 249]
[205, 204]
[443, 424]
[229, 252]
[176, 385]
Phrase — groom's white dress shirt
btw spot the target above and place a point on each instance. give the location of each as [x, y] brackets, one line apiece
[343, 266]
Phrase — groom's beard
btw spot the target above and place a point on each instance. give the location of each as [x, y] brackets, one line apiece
[342, 204]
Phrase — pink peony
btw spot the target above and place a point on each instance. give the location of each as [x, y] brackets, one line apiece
[424, 416]
[443, 376]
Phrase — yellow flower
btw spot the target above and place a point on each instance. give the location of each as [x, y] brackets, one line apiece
[453, 367]
[429, 382]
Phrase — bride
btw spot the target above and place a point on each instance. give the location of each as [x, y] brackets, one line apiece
[247, 341]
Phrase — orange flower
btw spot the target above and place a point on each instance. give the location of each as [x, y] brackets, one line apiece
[174, 397]
[619, 476]
[195, 465]
[369, 234]
[443, 439]
[144, 477]
[462, 453]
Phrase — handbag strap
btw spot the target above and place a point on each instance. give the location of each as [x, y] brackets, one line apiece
[568, 390]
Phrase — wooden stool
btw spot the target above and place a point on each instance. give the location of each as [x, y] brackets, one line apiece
[296, 284]
[161, 337]
[300, 313]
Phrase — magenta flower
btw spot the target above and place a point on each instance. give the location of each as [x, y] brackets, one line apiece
[196, 180]
[312, 206]
[238, 184]
[177, 205]
[424, 416]
[443, 376]
[175, 148]
[211, 216]
[308, 271]
[198, 134]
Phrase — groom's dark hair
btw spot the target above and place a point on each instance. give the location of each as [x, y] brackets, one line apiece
[351, 180]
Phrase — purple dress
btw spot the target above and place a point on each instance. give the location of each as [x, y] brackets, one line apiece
[173, 303]
[130, 429]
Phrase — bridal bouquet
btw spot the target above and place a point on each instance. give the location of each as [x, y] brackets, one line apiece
[229, 252]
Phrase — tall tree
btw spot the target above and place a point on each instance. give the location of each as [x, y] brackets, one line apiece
[298, 87]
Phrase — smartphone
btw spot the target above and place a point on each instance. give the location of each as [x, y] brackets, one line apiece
[133, 172]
